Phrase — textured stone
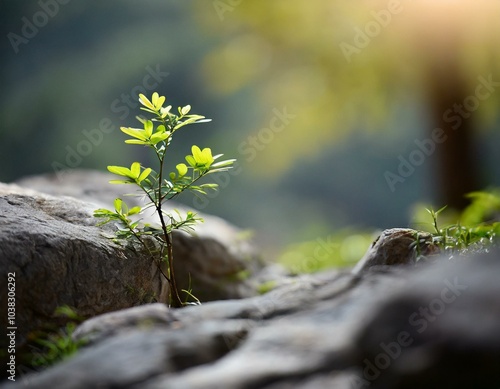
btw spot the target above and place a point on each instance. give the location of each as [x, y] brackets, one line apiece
[449, 316]
[330, 330]
[213, 262]
[406, 327]
[112, 323]
[133, 357]
[396, 246]
[61, 257]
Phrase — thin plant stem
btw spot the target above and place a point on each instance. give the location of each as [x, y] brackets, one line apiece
[158, 191]
[174, 293]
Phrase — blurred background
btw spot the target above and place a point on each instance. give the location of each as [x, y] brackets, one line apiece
[343, 115]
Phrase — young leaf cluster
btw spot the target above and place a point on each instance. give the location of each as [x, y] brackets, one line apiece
[160, 186]
[55, 346]
[478, 228]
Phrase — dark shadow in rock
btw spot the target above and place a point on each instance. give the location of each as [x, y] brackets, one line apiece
[441, 330]
[134, 356]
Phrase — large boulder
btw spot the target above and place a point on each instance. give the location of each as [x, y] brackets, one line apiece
[49, 239]
[395, 328]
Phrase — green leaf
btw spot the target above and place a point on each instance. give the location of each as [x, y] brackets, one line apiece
[136, 142]
[209, 186]
[185, 110]
[135, 170]
[192, 119]
[164, 111]
[148, 129]
[141, 119]
[144, 101]
[167, 184]
[119, 170]
[182, 169]
[202, 157]
[121, 182]
[158, 137]
[207, 156]
[197, 117]
[118, 205]
[440, 210]
[197, 189]
[201, 119]
[135, 132]
[191, 160]
[134, 210]
[144, 175]
[102, 212]
[227, 162]
[158, 100]
[149, 110]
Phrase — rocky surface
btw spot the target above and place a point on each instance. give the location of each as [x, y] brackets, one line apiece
[385, 325]
[396, 327]
[397, 246]
[214, 262]
[93, 187]
[60, 257]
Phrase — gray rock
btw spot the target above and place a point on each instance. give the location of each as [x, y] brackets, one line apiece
[132, 357]
[277, 335]
[110, 324]
[93, 187]
[396, 246]
[441, 330]
[428, 327]
[381, 326]
[213, 262]
[60, 257]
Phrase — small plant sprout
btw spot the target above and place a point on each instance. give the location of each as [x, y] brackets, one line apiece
[477, 229]
[55, 346]
[160, 186]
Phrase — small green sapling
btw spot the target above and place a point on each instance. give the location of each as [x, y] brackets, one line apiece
[159, 187]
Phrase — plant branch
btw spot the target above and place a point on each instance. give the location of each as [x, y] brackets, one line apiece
[174, 293]
[149, 251]
[155, 190]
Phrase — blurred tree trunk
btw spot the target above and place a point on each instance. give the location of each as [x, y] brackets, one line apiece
[457, 165]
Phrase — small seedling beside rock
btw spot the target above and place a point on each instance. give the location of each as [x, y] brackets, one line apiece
[160, 187]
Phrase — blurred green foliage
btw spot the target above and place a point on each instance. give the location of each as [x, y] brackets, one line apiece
[340, 249]
[55, 345]
[294, 56]
[240, 62]
[475, 229]
[484, 208]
